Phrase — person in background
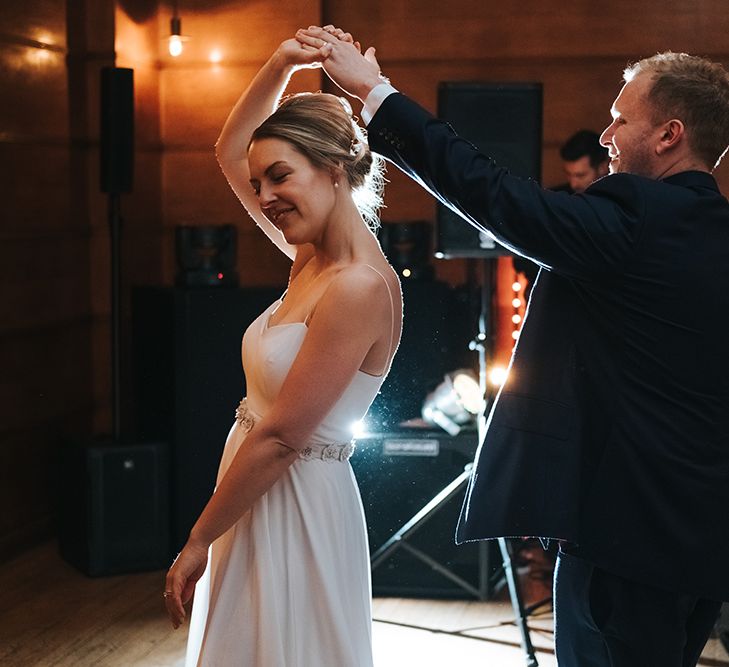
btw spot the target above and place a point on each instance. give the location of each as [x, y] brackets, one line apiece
[584, 160]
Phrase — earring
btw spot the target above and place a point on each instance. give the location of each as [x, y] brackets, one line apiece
[336, 184]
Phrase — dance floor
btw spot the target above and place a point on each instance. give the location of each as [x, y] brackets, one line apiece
[52, 615]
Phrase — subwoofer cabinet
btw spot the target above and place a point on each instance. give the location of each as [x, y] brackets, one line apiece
[188, 380]
[114, 507]
[398, 474]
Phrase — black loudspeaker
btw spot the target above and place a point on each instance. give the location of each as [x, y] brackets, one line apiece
[504, 121]
[117, 129]
[438, 323]
[206, 256]
[114, 513]
[188, 380]
[407, 247]
[398, 473]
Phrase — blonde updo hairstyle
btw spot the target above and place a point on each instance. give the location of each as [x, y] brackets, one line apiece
[321, 127]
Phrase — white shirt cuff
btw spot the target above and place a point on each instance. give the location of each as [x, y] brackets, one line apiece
[375, 98]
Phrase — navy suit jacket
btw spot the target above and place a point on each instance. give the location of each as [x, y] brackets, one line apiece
[612, 430]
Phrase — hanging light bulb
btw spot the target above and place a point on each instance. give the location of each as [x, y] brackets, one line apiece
[176, 38]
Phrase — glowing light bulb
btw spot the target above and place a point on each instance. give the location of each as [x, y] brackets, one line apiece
[516, 319]
[498, 375]
[407, 273]
[516, 303]
[176, 38]
[516, 286]
[515, 335]
[175, 45]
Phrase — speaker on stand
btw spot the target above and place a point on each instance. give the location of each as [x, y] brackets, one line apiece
[116, 172]
[504, 121]
[113, 505]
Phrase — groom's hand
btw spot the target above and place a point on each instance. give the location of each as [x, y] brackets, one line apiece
[354, 73]
[292, 53]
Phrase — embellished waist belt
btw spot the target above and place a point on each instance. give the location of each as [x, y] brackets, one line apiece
[336, 451]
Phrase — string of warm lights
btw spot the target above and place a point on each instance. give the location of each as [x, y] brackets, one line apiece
[518, 305]
[498, 374]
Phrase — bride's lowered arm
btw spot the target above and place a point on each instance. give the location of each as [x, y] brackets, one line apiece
[258, 102]
[350, 317]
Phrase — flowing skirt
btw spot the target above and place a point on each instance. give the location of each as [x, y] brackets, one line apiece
[289, 584]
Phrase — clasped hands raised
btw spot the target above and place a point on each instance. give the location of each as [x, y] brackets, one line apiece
[339, 55]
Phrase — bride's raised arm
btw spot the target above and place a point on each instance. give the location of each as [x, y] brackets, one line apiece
[258, 101]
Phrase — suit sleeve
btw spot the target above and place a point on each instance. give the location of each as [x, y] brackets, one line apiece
[584, 236]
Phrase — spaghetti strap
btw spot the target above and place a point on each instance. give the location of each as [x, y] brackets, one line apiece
[392, 314]
[307, 319]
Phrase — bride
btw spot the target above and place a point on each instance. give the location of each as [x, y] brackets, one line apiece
[278, 559]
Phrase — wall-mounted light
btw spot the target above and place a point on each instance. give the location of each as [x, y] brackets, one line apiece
[176, 38]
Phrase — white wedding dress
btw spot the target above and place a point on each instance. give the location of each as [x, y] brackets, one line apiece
[289, 584]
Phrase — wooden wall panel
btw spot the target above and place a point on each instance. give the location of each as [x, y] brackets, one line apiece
[43, 21]
[198, 98]
[467, 29]
[243, 32]
[44, 393]
[43, 279]
[32, 73]
[184, 171]
[25, 448]
[45, 376]
[34, 188]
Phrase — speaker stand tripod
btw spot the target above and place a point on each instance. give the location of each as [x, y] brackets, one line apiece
[399, 539]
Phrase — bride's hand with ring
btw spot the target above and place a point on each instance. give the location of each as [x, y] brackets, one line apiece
[292, 53]
[188, 567]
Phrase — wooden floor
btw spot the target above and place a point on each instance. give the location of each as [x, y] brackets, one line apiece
[52, 615]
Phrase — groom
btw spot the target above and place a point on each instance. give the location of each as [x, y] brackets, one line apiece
[612, 430]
